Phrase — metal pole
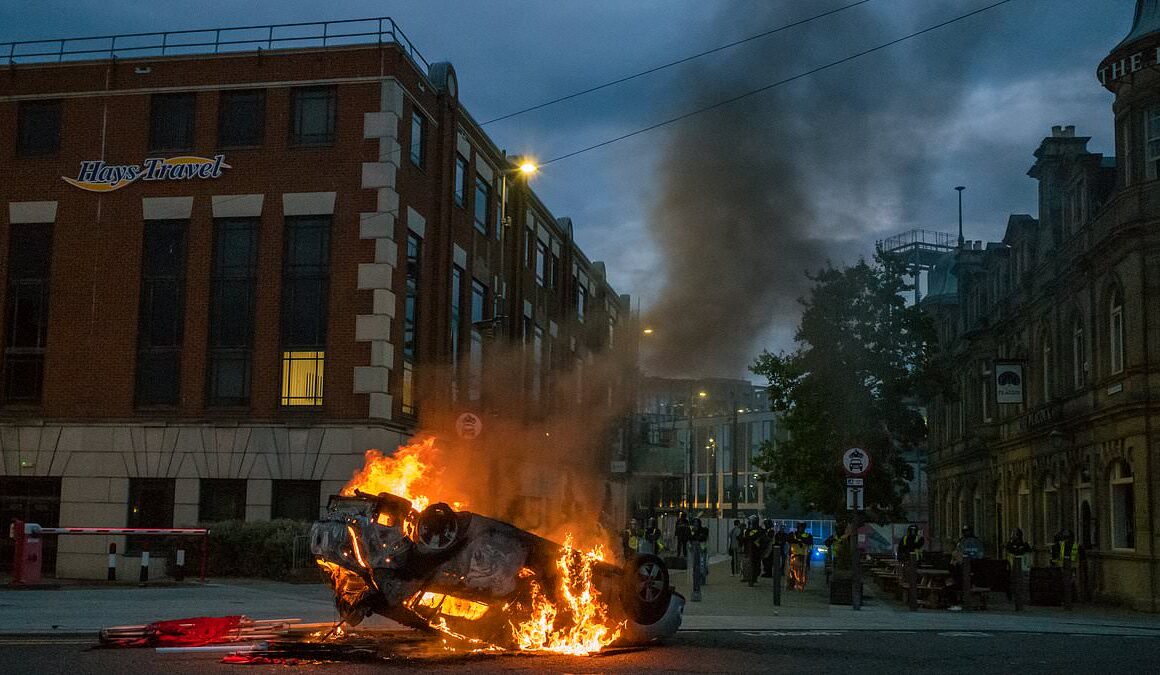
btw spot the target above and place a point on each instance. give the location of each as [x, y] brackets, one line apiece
[204, 553]
[778, 573]
[910, 574]
[856, 570]
[960, 189]
[1065, 572]
[1017, 582]
[736, 446]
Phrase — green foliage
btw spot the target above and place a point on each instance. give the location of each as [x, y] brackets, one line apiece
[863, 356]
[242, 548]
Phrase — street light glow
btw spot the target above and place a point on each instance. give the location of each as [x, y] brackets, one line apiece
[528, 167]
[647, 331]
[702, 394]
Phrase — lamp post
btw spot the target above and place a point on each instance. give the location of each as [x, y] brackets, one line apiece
[526, 168]
[960, 189]
[689, 457]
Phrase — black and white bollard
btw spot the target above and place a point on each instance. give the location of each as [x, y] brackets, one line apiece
[778, 575]
[145, 565]
[112, 561]
[179, 567]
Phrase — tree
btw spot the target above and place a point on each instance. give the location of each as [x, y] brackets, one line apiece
[862, 357]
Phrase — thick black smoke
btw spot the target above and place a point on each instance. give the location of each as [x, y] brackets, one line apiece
[755, 194]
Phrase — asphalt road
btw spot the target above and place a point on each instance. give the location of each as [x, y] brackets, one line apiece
[690, 651]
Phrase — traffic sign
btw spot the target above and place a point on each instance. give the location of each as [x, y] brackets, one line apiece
[856, 462]
[468, 426]
[854, 499]
[855, 482]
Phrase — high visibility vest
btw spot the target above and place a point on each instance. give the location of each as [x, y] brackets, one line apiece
[1061, 551]
[915, 544]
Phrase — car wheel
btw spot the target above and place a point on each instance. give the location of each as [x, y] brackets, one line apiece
[645, 590]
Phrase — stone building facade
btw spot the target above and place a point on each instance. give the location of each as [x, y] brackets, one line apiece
[1054, 336]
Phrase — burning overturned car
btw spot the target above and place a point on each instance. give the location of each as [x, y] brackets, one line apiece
[485, 581]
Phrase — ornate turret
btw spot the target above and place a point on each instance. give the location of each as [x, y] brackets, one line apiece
[1132, 72]
[1136, 52]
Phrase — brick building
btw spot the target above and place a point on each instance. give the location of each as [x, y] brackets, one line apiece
[1053, 336]
[231, 266]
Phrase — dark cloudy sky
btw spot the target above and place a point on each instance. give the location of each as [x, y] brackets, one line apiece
[709, 223]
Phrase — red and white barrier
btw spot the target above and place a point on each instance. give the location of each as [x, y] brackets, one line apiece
[27, 559]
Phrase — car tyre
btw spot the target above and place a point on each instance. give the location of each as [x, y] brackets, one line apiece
[645, 591]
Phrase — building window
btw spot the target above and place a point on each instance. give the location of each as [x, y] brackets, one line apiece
[529, 248]
[411, 321]
[1023, 505]
[460, 181]
[475, 353]
[1045, 364]
[456, 320]
[1078, 363]
[29, 261]
[162, 314]
[418, 138]
[150, 505]
[38, 128]
[581, 301]
[221, 499]
[312, 115]
[1123, 509]
[542, 256]
[241, 118]
[537, 361]
[171, 118]
[1124, 156]
[482, 204]
[1051, 515]
[305, 284]
[1116, 332]
[1152, 147]
[296, 500]
[231, 320]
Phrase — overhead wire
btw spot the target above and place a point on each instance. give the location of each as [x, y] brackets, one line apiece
[772, 85]
[672, 64]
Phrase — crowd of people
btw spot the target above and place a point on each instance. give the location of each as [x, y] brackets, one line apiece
[753, 545]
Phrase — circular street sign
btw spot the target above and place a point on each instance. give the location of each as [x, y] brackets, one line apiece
[468, 426]
[856, 461]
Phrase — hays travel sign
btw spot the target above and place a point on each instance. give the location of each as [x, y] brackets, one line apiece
[100, 176]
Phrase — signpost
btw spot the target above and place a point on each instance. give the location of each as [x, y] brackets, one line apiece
[856, 464]
[468, 426]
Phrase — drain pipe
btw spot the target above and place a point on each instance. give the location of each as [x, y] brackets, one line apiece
[1148, 458]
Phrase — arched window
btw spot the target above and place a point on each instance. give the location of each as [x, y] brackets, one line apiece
[1051, 522]
[1123, 511]
[1078, 357]
[1084, 517]
[977, 512]
[1023, 504]
[1116, 332]
[1045, 364]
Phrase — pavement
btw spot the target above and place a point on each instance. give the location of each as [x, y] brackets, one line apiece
[727, 604]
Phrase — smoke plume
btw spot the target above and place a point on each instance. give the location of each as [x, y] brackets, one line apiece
[755, 194]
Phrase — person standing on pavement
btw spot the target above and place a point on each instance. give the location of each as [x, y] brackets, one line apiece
[682, 532]
[650, 542]
[911, 545]
[699, 540]
[767, 548]
[1065, 556]
[751, 547]
[1017, 550]
[735, 549]
[630, 539]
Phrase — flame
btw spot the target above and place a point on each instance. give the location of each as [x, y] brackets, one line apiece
[589, 629]
[409, 473]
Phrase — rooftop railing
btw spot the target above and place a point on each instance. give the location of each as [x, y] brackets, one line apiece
[378, 30]
[921, 239]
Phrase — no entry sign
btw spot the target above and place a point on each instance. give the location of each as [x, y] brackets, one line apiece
[856, 462]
